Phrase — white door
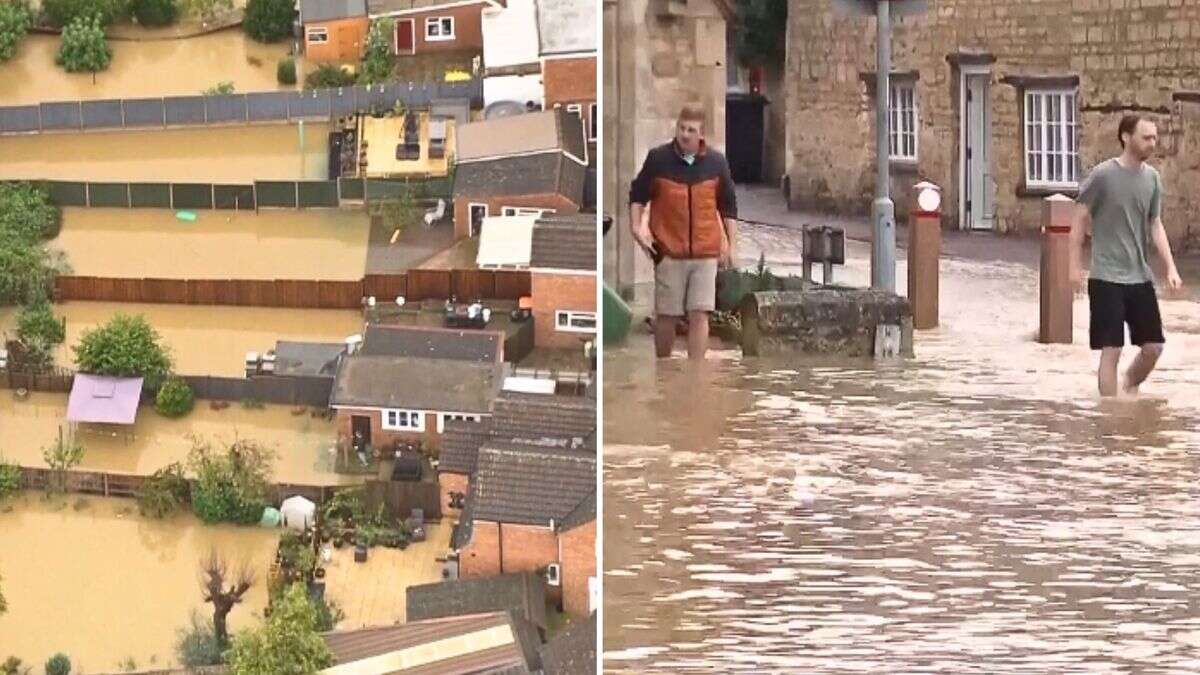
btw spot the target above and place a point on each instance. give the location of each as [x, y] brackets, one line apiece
[979, 211]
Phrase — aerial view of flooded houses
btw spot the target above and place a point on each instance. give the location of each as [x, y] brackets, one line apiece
[298, 320]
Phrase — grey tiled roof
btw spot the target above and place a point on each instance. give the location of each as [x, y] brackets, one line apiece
[419, 384]
[432, 343]
[543, 416]
[572, 652]
[357, 645]
[582, 514]
[328, 10]
[524, 594]
[315, 359]
[530, 486]
[564, 242]
[460, 445]
[509, 176]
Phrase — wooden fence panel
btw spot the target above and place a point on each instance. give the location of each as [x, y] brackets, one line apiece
[429, 284]
[512, 285]
[473, 284]
[385, 286]
[399, 498]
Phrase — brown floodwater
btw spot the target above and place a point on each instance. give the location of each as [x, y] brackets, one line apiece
[143, 69]
[977, 509]
[302, 443]
[235, 154]
[90, 578]
[322, 244]
[205, 339]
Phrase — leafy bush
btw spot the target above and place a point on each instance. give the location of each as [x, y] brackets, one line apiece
[124, 347]
[288, 643]
[13, 666]
[269, 20]
[63, 12]
[286, 72]
[84, 47]
[155, 12]
[207, 10]
[220, 89]
[61, 456]
[10, 479]
[230, 486]
[175, 398]
[26, 211]
[14, 24]
[329, 76]
[164, 493]
[378, 64]
[58, 664]
[37, 322]
[196, 645]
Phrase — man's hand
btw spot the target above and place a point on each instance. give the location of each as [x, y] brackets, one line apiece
[726, 259]
[641, 234]
[1174, 282]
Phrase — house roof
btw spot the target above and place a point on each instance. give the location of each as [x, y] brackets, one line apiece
[505, 241]
[583, 513]
[101, 399]
[566, 242]
[524, 594]
[530, 486]
[441, 385]
[546, 173]
[505, 136]
[540, 421]
[468, 644]
[432, 343]
[312, 11]
[572, 652]
[313, 359]
[460, 445]
[383, 7]
[566, 26]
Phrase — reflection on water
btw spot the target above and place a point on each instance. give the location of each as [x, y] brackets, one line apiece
[302, 443]
[238, 154]
[977, 510]
[143, 69]
[322, 244]
[204, 339]
[90, 578]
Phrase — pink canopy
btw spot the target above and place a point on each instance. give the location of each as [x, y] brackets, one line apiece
[104, 400]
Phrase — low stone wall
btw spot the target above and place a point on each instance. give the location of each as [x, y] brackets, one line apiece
[823, 320]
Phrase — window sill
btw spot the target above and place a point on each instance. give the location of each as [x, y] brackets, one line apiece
[903, 165]
[439, 38]
[1024, 190]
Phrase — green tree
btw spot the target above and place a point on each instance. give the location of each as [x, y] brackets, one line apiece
[328, 76]
[378, 64]
[762, 32]
[288, 643]
[63, 455]
[84, 48]
[224, 589]
[26, 271]
[231, 486]
[124, 347]
[286, 71]
[155, 12]
[220, 89]
[58, 664]
[37, 322]
[10, 481]
[269, 20]
[164, 493]
[207, 10]
[26, 212]
[63, 12]
[175, 398]
[14, 24]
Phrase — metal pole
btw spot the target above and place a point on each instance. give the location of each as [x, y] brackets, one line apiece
[883, 241]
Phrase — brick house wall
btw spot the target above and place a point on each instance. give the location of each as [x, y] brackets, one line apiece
[452, 482]
[1128, 55]
[346, 42]
[468, 30]
[573, 81]
[462, 212]
[552, 292]
[380, 436]
[525, 549]
[578, 554]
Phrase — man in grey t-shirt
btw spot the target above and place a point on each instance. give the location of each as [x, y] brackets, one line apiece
[1123, 202]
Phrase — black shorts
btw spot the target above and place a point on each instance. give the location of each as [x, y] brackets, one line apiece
[1114, 305]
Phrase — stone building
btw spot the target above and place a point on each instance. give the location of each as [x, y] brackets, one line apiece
[999, 103]
[658, 55]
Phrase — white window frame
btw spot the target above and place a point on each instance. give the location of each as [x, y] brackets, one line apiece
[1051, 146]
[903, 121]
[575, 109]
[564, 320]
[444, 417]
[439, 23]
[313, 32]
[391, 419]
[594, 124]
[523, 211]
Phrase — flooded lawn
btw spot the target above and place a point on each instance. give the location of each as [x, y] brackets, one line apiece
[143, 69]
[302, 443]
[205, 339]
[103, 585]
[322, 244]
[234, 154]
[977, 509]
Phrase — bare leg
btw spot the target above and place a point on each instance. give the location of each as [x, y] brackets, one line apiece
[697, 334]
[1109, 358]
[664, 335]
[1141, 367]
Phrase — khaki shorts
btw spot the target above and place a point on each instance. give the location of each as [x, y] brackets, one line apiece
[685, 285]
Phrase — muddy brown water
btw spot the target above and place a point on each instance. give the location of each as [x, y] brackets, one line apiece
[143, 69]
[92, 579]
[230, 154]
[321, 244]
[975, 510]
[204, 339]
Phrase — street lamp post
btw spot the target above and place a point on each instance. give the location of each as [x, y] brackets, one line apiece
[883, 240]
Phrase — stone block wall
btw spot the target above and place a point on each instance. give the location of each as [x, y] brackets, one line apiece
[822, 321]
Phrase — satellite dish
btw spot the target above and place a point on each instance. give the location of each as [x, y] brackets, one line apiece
[503, 109]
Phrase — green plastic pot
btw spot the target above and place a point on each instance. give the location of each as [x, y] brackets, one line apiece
[617, 317]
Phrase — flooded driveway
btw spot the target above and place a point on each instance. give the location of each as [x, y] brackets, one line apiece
[143, 69]
[205, 339]
[975, 510]
[232, 154]
[302, 443]
[321, 244]
[90, 578]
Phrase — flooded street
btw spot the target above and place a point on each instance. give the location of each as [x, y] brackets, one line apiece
[320, 244]
[231, 154]
[301, 442]
[92, 579]
[975, 510]
[204, 339]
[143, 69]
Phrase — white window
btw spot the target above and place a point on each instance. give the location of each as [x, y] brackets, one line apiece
[404, 420]
[595, 125]
[902, 112]
[575, 322]
[439, 28]
[446, 417]
[1051, 139]
[318, 35]
[522, 211]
